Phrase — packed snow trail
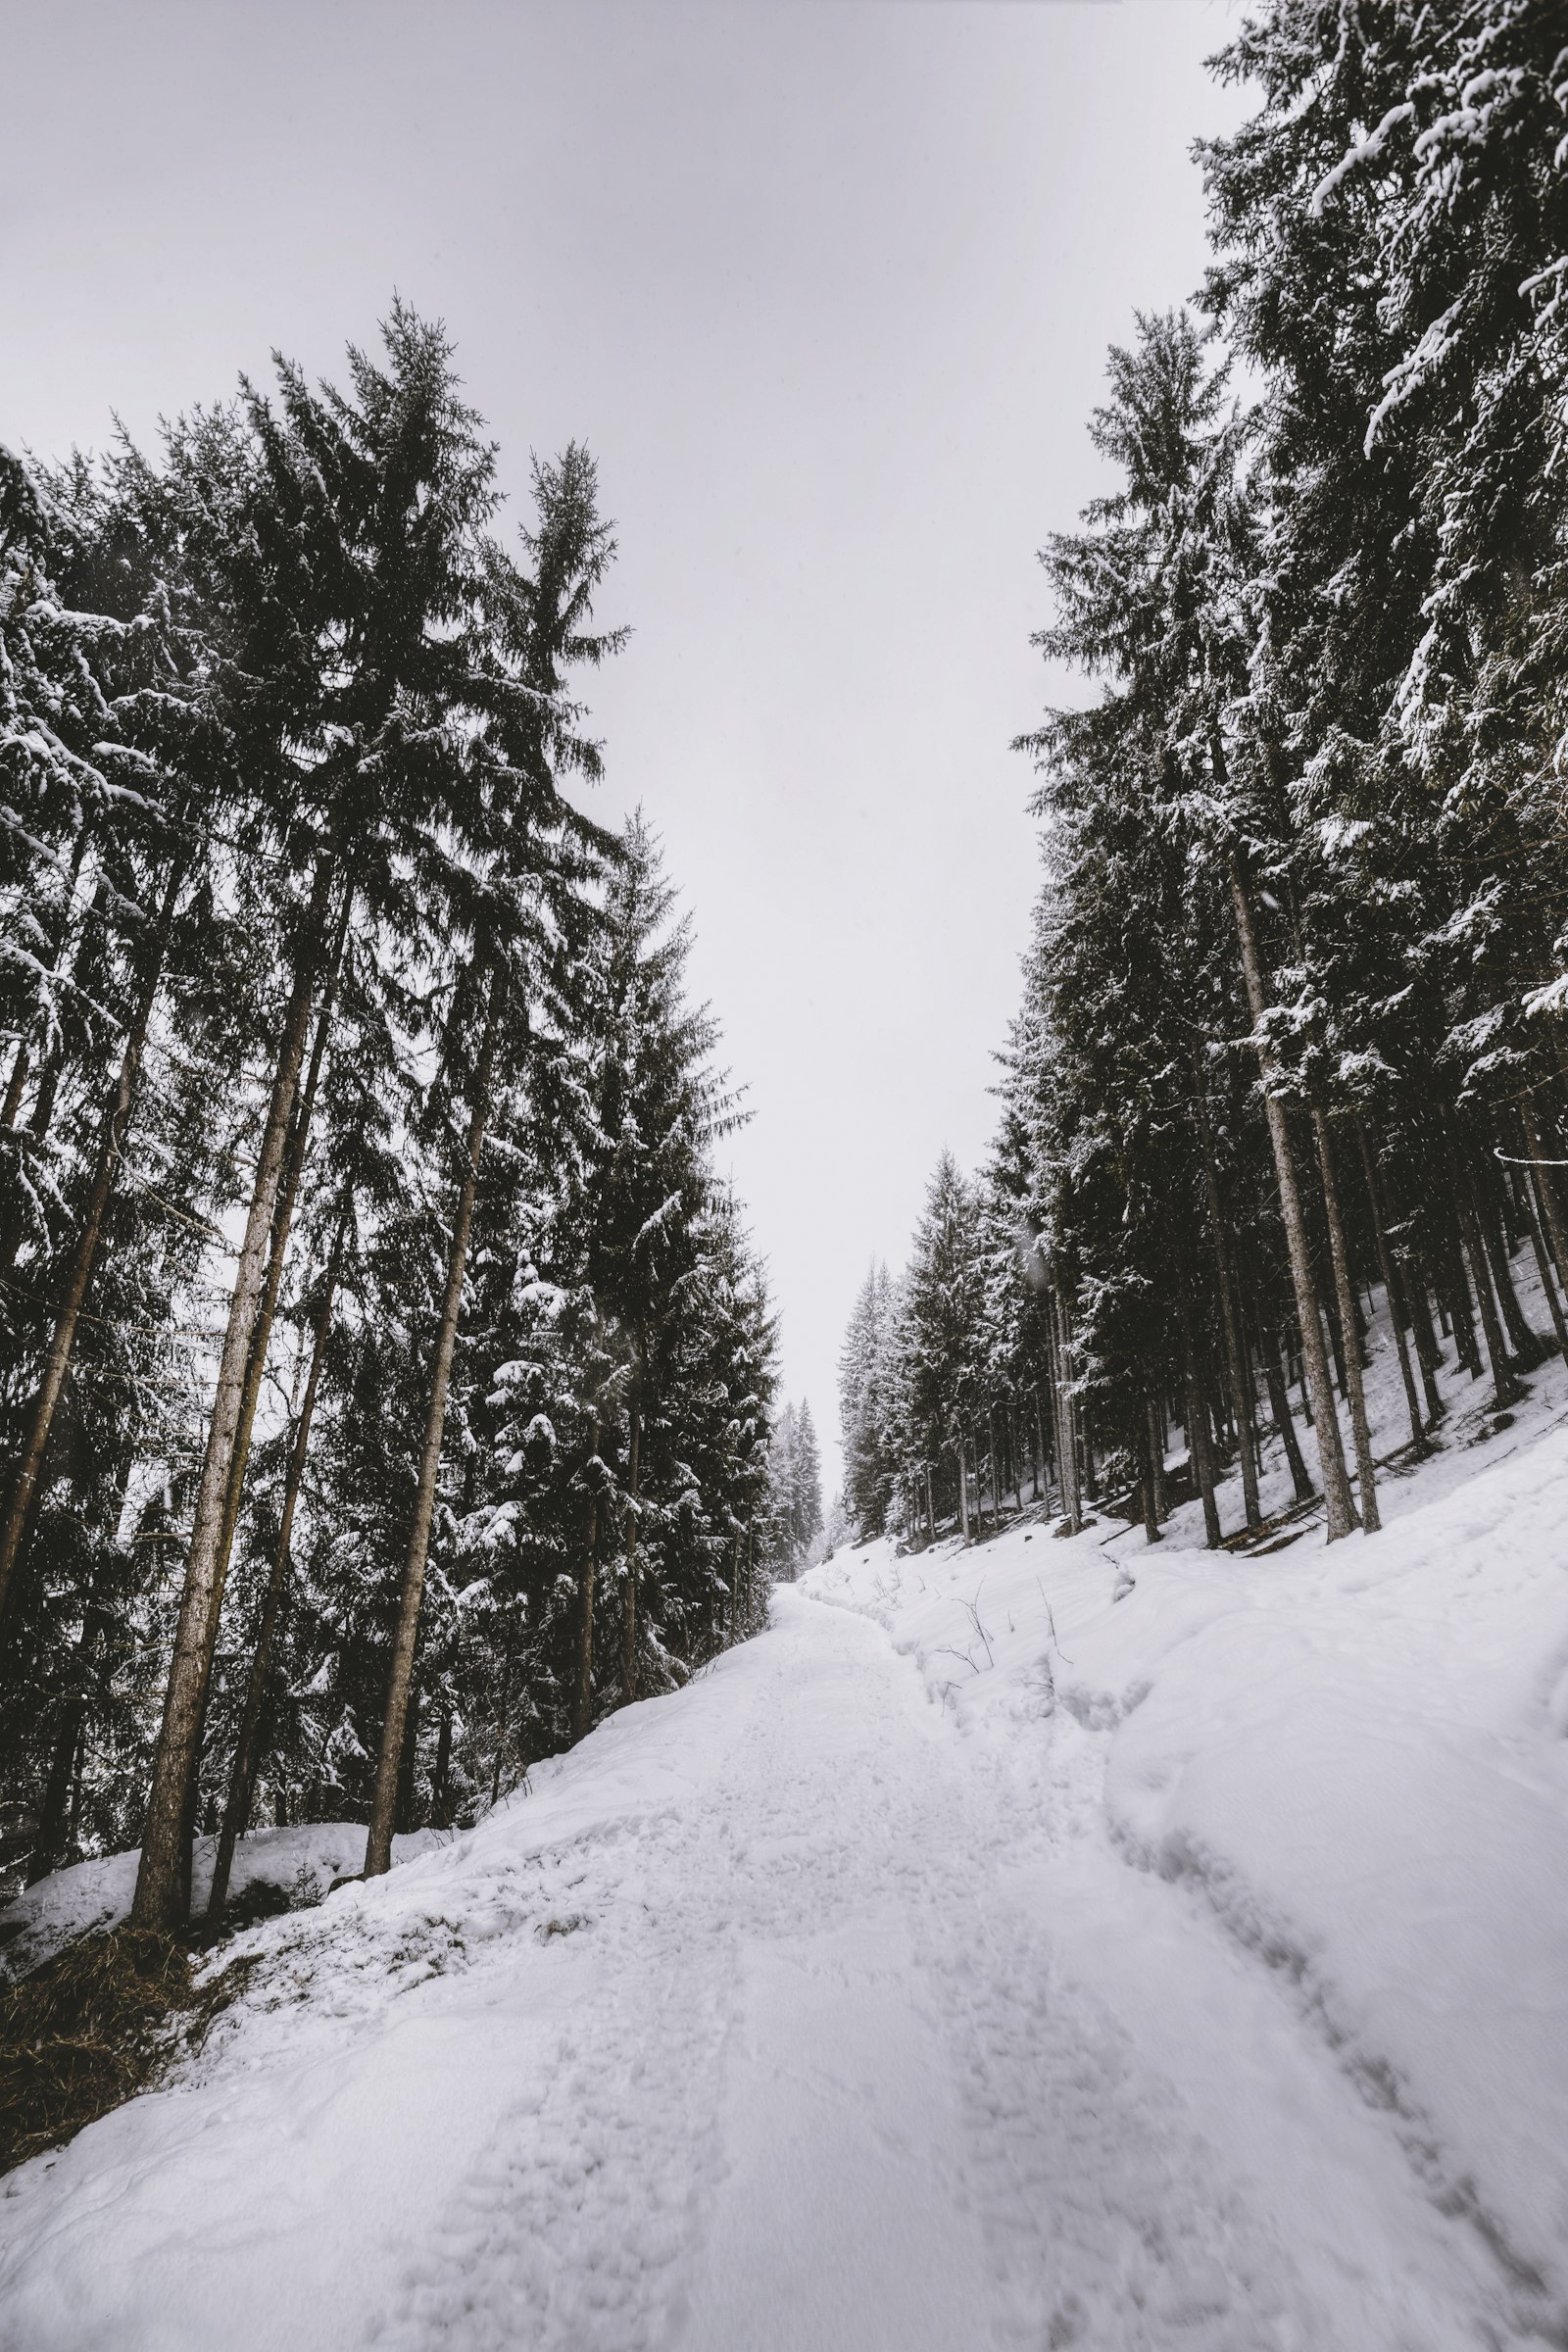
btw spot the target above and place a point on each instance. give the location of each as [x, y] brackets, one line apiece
[782, 2018]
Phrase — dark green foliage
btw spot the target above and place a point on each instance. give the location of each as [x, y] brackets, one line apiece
[1326, 630]
[290, 657]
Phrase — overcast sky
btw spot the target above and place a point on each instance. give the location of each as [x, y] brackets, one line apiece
[827, 290]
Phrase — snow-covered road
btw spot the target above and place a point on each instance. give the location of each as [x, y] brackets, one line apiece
[787, 2015]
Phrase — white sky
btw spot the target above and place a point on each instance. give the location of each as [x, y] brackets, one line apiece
[827, 290]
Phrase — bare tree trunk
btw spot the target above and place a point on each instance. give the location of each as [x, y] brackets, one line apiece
[1040, 1445]
[1066, 1420]
[248, 1744]
[582, 1711]
[996, 1472]
[1143, 1431]
[262, 1332]
[1366, 1473]
[161, 1884]
[441, 1783]
[1154, 1414]
[383, 1810]
[1548, 1287]
[1280, 1406]
[1240, 1373]
[52, 1846]
[282, 1224]
[735, 1593]
[1528, 1347]
[1390, 1290]
[1340, 1510]
[1505, 1389]
[1451, 1232]
[63, 1338]
[1429, 1355]
[1545, 1189]
[963, 1489]
[629, 1660]
[1197, 1424]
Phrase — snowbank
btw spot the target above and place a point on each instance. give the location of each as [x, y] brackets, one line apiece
[1141, 1947]
[91, 1898]
[1356, 1755]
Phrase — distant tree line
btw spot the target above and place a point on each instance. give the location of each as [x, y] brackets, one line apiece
[385, 1373]
[795, 1494]
[1293, 1020]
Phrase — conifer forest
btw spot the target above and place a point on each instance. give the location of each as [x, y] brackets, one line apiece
[871, 697]
[388, 1372]
[1293, 1028]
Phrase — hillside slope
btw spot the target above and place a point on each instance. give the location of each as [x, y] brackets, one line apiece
[1058, 1943]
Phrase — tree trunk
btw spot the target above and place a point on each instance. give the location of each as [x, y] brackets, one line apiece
[582, 1712]
[248, 1744]
[282, 1223]
[441, 1783]
[1545, 1189]
[1339, 1507]
[378, 1843]
[963, 1489]
[1427, 1354]
[262, 1332]
[1366, 1473]
[1154, 1414]
[1460, 1312]
[735, 1593]
[1528, 1346]
[1391, 1292]
[405, 1819]
[63, 1337]
[1280, 1406]
[629, 1658]
[1548, 1287]
[1240, 1372]
[1198, 1423]
[161, 1880]
[1144, 1432]
[1504, 1387]
[996, 1472]
[1067, 1460]
[52, 1846]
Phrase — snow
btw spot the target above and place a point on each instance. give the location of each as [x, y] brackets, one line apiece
[976, 1957]
[93, 1896]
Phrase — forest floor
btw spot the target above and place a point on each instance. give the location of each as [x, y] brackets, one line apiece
[1060, 1942]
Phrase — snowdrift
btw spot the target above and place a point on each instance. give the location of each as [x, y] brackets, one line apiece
[296, 1865]
[1197, 1922]
[1356, 1756]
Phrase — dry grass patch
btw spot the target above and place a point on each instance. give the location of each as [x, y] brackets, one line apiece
[85, 2033]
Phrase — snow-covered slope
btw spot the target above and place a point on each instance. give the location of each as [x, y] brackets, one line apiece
[976, 1957]
[297, 1863]
[1350, 1763]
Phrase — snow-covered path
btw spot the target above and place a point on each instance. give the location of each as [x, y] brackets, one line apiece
[781, 2016]
[990, 2083]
